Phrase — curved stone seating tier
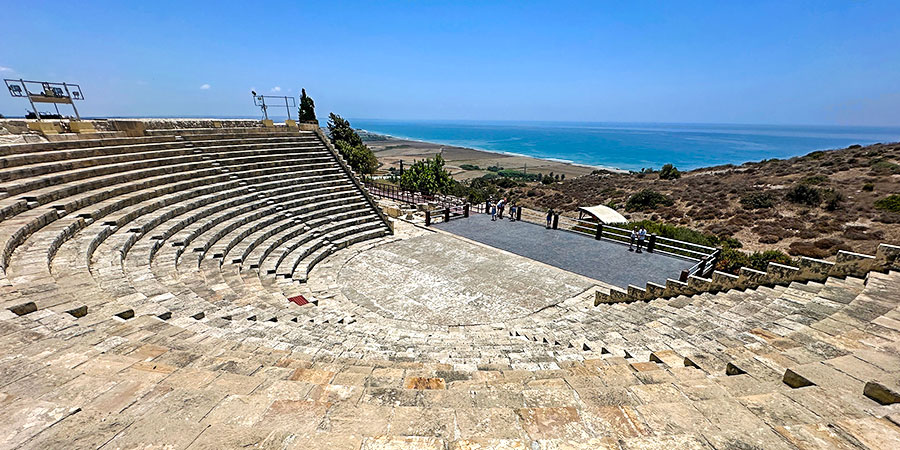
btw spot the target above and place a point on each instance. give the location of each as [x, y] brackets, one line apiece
[188, 282]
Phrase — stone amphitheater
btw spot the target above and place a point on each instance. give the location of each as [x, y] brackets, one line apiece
[228, 285]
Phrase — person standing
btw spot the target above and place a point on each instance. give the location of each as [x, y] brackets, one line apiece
[493, 212]
[500, 206]
[632, 239]
[549, 218]
[642, 235]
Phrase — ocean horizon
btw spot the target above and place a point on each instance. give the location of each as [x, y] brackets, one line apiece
[633, 146]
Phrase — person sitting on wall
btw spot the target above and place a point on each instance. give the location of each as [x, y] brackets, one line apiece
[631, 240]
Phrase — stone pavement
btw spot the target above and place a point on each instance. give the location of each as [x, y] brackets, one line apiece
[601, 260]
[440, 279]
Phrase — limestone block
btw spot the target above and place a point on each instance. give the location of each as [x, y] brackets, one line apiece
[849, 263]
[751, 277]
[882, 393]
[636, 293]
[392, 211]
[600, 297]
[131, 128]
[721, 281]
[618, 295]
[291, 124]
[814, 269]
[655, 290]
[675, 288]
[699, 284]
[81, 126]
[795, 380]
[44, 127]
[888, 256]
[268, 123]
[780, 273]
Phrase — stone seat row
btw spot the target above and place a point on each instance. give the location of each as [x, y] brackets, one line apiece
[164, 368]
[20, 236]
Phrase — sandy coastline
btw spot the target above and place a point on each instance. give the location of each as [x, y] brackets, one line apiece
[391, 150]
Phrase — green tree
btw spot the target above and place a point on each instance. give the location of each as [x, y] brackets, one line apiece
[669, 172]
[427, 176]
[307, 107]
[350, 145]
[359, 157]
[340, 130]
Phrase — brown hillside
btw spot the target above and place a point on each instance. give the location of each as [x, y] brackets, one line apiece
[847, 183]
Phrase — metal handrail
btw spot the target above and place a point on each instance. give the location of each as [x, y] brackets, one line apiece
[704, 256]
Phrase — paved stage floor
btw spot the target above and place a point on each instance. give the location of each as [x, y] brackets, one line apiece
[439, 279]
[601, 260]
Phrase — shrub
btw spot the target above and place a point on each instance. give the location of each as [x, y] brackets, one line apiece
[509, 173]
[833, 199]
[731, 260]
[758, 200]
[359, 157]
[880, 166]
[804, 194]
[868, 187]
[494, 168]
[682, 233]
[469, 167]
[815, 179]
[890, 203]
[669, 172]
[647, 199]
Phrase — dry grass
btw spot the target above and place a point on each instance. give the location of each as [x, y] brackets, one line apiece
[710, 200]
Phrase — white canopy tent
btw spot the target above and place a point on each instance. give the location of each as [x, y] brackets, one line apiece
[603, 214]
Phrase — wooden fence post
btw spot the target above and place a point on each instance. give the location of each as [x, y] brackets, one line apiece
[427, 218]
[599, 234]
[466, 210]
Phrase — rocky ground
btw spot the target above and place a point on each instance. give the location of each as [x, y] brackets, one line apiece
[751, 202]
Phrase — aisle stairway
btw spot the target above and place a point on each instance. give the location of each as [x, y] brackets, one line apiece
[145, 301]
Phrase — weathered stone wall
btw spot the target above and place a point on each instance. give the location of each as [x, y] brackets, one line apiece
[887, 257]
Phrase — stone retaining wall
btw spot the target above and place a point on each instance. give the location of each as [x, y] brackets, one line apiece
[887, 257]
[14, 131]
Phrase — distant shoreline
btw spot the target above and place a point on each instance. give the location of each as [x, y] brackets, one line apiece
[390, 150]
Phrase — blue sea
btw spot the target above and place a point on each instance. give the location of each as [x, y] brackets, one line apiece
[633, 146]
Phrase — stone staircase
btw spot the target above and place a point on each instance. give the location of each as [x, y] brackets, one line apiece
[145, 304]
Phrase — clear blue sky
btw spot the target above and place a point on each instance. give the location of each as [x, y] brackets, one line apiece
[779, 62]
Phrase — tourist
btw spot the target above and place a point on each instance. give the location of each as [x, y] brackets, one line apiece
[500, 206]
[493, 212]
[632, 239]
[512, 212]
[549, 218]
[642, 235]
